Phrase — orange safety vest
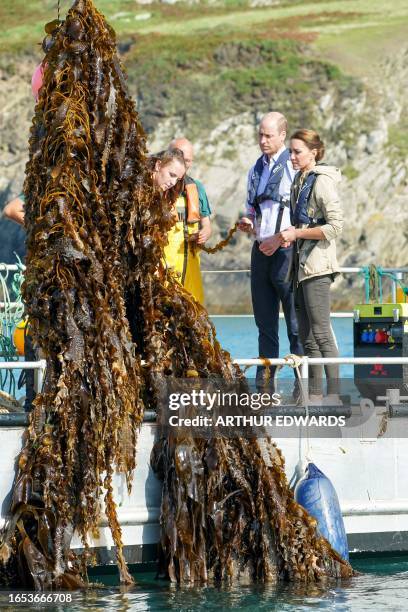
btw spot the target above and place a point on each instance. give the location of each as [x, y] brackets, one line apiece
[193, 203]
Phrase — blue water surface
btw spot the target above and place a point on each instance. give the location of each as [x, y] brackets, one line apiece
[382, 585]
[239, 336]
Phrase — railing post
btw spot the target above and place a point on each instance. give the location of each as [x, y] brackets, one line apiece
[304, 368]
[398, 277]
[304, 376]
[39, 376]
[393, 291]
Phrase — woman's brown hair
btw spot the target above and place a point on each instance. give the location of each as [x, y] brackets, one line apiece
[165, 157]
[312, 140]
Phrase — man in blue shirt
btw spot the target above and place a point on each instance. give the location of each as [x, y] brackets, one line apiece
[267, 213]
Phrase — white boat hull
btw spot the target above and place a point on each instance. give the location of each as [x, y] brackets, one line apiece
[369, 475]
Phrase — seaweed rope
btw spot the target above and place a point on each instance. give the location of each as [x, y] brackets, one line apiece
[100, 301]
[223, 243]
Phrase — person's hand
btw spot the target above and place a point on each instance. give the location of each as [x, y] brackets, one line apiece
[246, 225]
[271, 244]
[204, 234]
[288, 235]
[286, 245]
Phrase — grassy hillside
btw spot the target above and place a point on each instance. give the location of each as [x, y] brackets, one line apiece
[335, 21]
[202, 61]
[22, 20]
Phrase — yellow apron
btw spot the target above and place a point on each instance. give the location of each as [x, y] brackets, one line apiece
[181, 257]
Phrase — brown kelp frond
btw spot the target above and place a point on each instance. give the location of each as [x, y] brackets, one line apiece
[86, 163]
[227, 501]
[100, 301]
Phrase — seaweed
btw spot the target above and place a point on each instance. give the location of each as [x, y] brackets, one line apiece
[113, 324]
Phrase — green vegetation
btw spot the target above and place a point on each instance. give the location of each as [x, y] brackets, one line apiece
[202, 62]
[350, 172]
[397, 140]
[202, 79]
[22, 20]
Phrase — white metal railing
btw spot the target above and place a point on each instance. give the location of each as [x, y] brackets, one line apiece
[306, 361]
[343, 270]
[39, 368]
[333, 315]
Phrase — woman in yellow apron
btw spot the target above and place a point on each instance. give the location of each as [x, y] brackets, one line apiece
[182, 253]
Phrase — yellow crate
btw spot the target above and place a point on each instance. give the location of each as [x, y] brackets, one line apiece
[378, 311]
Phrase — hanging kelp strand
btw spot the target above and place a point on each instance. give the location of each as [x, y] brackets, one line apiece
[86, 163]
[100, 301]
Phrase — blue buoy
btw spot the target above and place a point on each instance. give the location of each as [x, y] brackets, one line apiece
[317, 495]
[371, 336]
[365, 336]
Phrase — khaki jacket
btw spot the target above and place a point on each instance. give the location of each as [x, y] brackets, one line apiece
[323, 203]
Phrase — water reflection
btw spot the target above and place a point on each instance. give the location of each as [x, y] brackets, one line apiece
[383, 586]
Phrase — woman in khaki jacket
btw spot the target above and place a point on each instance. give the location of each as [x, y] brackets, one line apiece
[317, 219]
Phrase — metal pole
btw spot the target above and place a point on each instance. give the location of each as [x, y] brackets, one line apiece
[393, 291]
[304, 379]
[39, 374]
[304, 368]
[399, 277]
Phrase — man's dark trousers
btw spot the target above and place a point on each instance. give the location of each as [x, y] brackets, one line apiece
[269, 288]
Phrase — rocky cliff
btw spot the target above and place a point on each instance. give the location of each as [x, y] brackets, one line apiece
[366, 137]
[362, 121]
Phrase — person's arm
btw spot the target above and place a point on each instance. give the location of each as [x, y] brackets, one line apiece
[205, 230]
[14, 211]
[308, 233]
[246, 223]
[205, 212]
[328, 201]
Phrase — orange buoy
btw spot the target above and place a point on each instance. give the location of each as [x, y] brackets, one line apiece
[18, 336]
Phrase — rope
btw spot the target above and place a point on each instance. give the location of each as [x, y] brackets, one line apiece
[375, 285]
[294, 361]
[373, 276]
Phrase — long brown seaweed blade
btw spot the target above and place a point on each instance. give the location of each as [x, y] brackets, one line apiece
[86, 163]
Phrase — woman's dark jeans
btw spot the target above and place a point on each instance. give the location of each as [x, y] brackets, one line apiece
[312, 299]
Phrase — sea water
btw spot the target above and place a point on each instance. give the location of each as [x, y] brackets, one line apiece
[381, 585]
[239, 336]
